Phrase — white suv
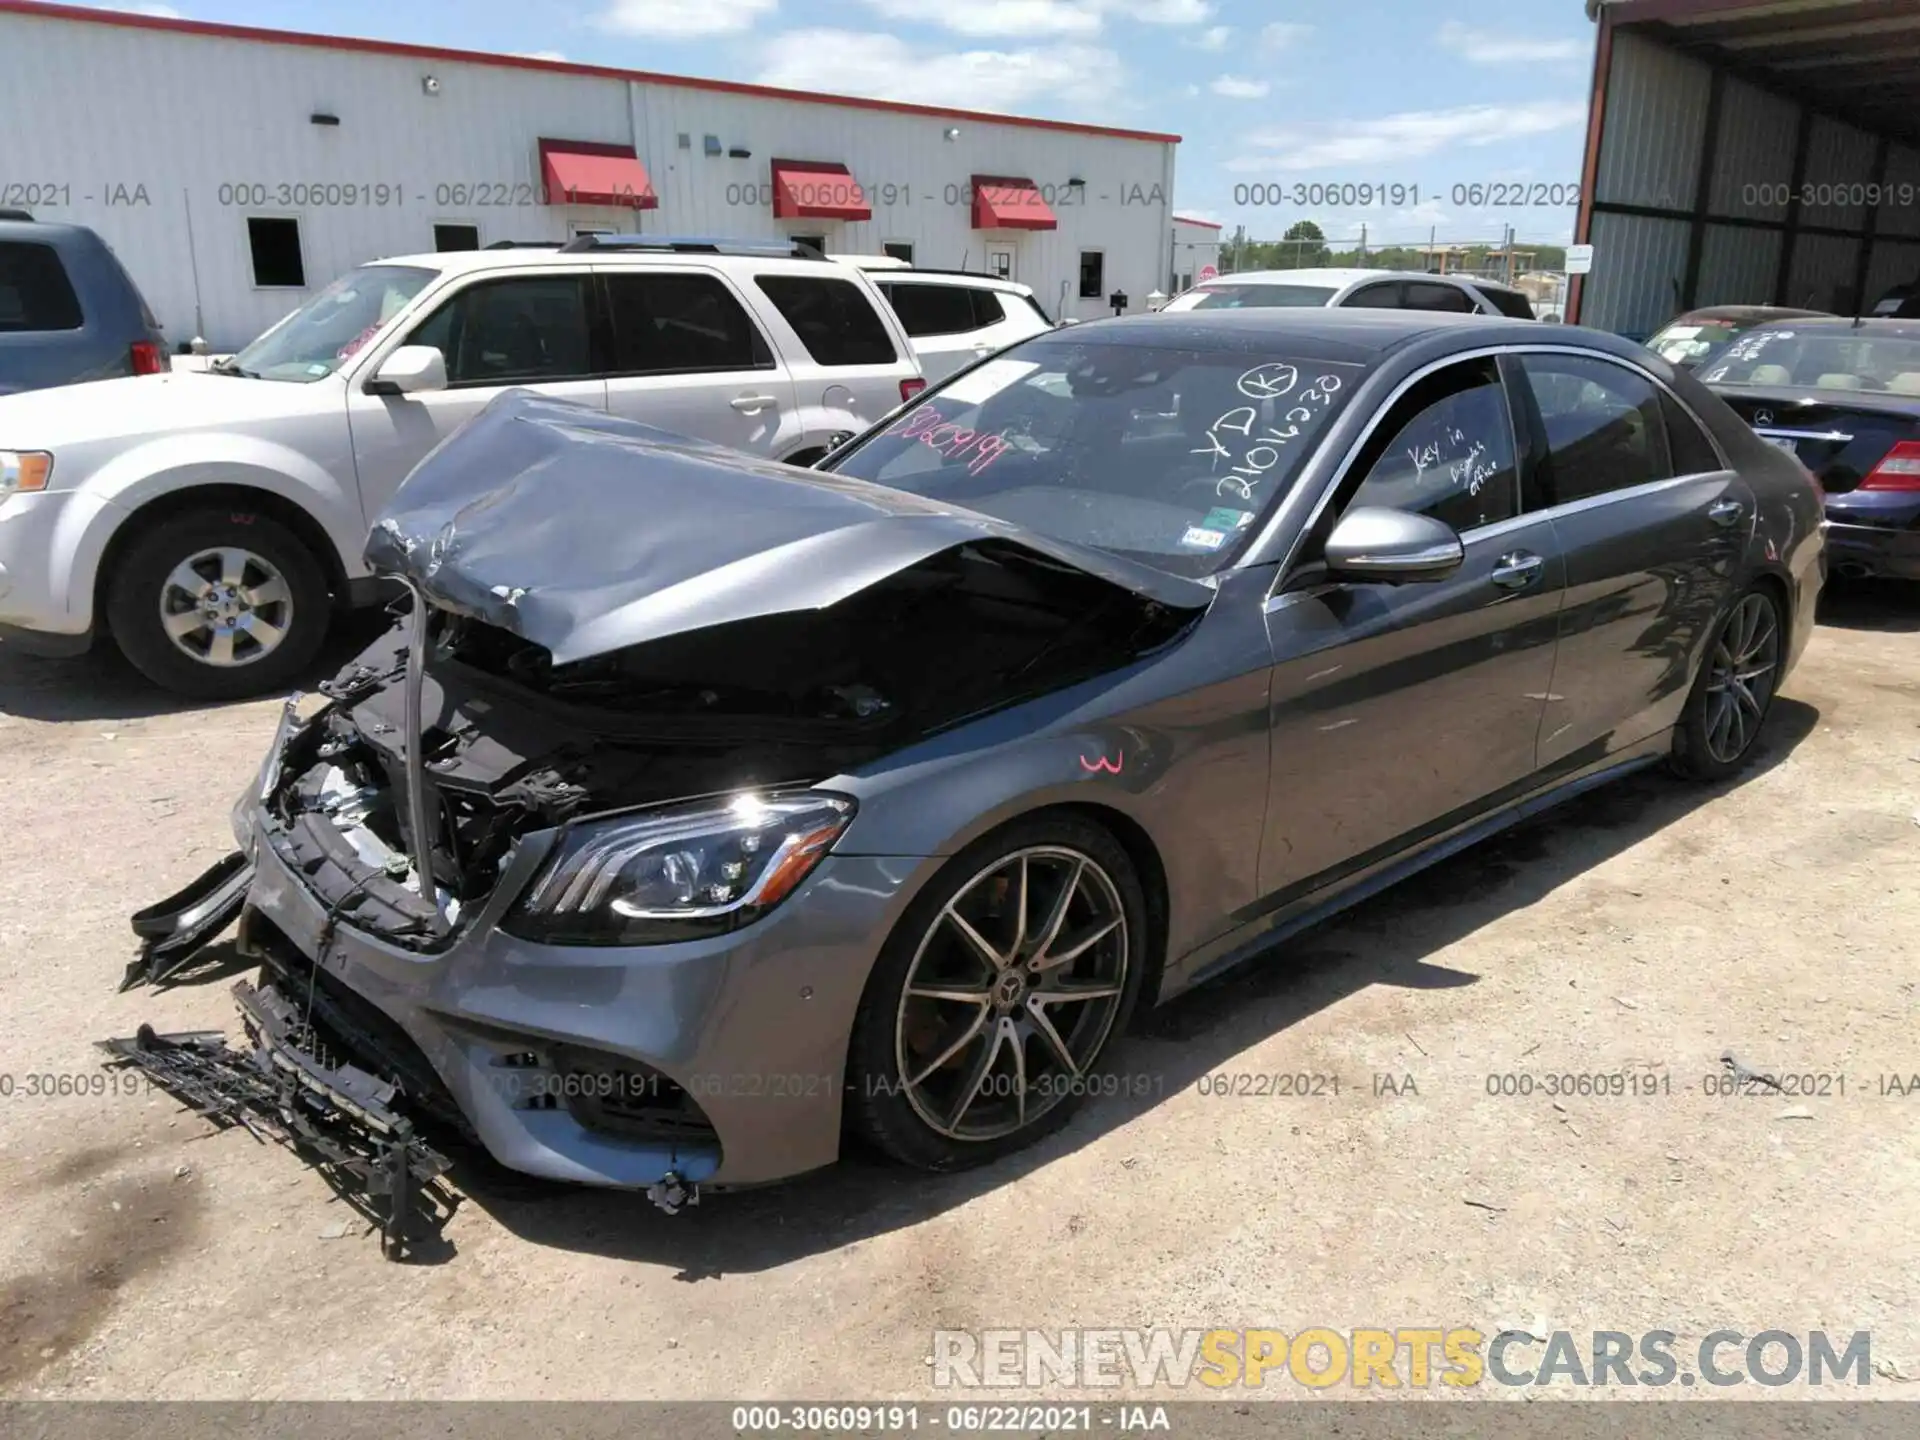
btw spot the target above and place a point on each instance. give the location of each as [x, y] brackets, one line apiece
[953, 316]
[213, 522]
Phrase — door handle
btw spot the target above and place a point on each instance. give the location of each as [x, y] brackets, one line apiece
[1517, 570]
[752, 402]
[1726, 512]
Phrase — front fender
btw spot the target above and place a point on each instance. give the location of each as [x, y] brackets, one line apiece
[180, 463]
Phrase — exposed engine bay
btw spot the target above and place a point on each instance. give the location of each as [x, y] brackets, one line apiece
[513, 743]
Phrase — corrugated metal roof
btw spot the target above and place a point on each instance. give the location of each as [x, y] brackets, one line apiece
[1857, 59]
[140, 21]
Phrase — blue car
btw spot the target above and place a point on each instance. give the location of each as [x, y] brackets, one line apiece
[68, 310]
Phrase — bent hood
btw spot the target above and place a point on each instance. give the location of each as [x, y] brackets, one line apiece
[585, 534]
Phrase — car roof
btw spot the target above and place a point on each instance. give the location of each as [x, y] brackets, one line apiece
[464, 262]
[1329, 277]
[1747, 312]
[1867, 325]
[47, 232]
[1309, 332]
[895, 275]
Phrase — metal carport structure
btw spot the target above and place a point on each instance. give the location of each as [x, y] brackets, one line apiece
[1749, 151]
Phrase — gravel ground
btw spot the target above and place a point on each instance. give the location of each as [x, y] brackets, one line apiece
[1645, 928]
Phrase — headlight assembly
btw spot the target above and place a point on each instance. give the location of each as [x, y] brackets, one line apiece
[678, 874]
[22, 470]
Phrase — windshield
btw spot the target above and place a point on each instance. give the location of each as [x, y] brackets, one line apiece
[1237, 297]
[318, 337]
[1691, 343]
[1167, 456]
[1827, 359]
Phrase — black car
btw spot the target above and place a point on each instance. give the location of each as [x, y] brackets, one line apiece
[1700, 337]
[1843, 396]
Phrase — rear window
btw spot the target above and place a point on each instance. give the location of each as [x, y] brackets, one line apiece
[35, 293]
[1826, 359]
[1507, 302]
[933, 309]
[833, 319]
[1235, 297]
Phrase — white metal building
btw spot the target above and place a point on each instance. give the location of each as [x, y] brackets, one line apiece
[1749, 152]
[1196, 252]
[236, 170]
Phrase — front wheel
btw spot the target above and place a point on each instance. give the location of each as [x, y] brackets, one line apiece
[989, 1015]
[1733, 694]
[218, 604]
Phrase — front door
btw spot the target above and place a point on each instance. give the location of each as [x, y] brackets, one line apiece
[687, 357]
[526, 331]
[1400, 709]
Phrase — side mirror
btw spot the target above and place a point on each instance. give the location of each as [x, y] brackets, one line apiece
[1380, 546]
[410, 369]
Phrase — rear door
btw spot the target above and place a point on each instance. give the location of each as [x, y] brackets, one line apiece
[527, 329]
[847, 365]
[943, 321]
[1654, 529]
[1403, 709]
[688, 357]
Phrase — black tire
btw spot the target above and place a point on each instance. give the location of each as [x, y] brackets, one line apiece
[880, 1109]
[1705, 747]
[140, 583]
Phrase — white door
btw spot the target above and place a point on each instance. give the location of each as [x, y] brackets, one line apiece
[687, 357]
[519, 331]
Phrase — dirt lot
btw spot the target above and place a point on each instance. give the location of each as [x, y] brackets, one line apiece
[1652, 926]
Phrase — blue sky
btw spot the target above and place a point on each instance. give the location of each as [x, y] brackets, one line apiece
[1268, 93]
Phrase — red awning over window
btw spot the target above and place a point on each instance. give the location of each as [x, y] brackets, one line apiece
[1006, 202]
[817, 189]
[584, 172]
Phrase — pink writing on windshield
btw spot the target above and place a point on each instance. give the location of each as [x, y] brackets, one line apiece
[956, 442]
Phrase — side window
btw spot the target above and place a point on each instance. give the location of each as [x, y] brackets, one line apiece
[1510, 303]
[1430, 295]
[1375, 297]
[1693, 452]
[833, 319]
[986, 308]
[1446, 450]
[510, 332]
[931, 309]
[665, 324]
[1604, 429]
[35, 293]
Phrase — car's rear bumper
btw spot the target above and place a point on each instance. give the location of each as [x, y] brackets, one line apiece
[1858, 551]
[752, 1027]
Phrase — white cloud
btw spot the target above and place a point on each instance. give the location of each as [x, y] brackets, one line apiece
[1165, 12]
[1494, 47]
[1214, 37]
[1233, 87]
[684, 19]
[885, 67]
[998, 17]
[1403, 136]
[540, 55]
[1282, 34]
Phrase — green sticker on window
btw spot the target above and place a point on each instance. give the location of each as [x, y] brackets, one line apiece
[1224, 517]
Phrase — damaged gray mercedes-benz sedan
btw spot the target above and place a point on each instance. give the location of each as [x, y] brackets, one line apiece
[706, 810]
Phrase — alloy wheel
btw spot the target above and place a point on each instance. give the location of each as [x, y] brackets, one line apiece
[226, 607]
[1742, 670]
[1011, 993]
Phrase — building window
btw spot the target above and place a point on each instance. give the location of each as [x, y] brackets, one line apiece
[818, 242]
[276, 253]
[456, 237]
[899, 250]
[1093, 275]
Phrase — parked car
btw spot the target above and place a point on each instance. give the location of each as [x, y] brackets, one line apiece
[1100, 668]
[954, 316]
[1701, 336]
[1364, 289]
[212, 523]
[68, 310]
[1842, 396]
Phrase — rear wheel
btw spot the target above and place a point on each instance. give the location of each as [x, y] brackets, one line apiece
[1733, 694]
[218, 604]
[988, 1018]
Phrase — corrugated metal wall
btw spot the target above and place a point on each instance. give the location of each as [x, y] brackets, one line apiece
[1656, 115]
[172, 123]
[1753, 159]
[1638, 265]
[1736, 264]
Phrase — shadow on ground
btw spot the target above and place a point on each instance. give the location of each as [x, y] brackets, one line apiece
[1891, 607]
[1386, 941]
[101, 685]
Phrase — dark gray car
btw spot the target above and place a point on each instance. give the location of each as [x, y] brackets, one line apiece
[69, 311]
[761, 804]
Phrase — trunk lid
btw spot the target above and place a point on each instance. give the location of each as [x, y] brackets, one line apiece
[1840, 435]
